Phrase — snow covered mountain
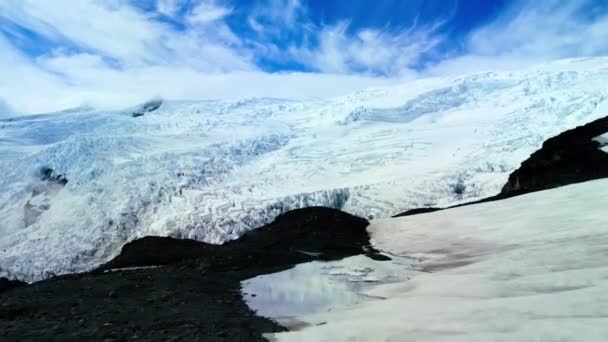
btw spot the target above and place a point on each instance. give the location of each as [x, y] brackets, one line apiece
[528, 268]
[78, 184]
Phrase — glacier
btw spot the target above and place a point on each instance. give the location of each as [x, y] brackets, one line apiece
[528, 268]
[211, 170]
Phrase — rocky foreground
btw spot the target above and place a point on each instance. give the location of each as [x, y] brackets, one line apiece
[195, 296]
[164, 289]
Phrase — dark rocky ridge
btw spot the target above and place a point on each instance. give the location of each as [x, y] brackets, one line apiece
[291, 239]
[570, 157]
[196, 296]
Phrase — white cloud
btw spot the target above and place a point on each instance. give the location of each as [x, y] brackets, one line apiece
[274, 20]
[169, 7]
[124, 55]
[25, 86]
[532, 32]
[255, 25]
[207, 60]
[284, 13]
[128, 35]
[120, 31]
[368, 50]
[553, 29]
[207, 11]
[61, 81]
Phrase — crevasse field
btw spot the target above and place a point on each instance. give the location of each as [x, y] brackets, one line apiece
[212, 170]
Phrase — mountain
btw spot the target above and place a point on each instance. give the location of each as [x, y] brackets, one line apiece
[79, 184]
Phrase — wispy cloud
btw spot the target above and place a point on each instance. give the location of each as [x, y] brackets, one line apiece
[273, 16]
[370, 51]
[112, 53]
[169, 7]
[531, 32]
[207, 11]
[549, 29]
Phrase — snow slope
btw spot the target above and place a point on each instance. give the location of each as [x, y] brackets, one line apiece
[530, 268]
[212, 170]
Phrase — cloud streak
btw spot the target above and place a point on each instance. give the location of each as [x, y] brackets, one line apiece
[369, 51]
[533, 32]
[556, 29]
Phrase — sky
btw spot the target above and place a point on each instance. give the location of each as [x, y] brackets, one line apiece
[115, 53]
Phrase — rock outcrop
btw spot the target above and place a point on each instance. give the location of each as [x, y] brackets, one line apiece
[147, 107]
[570, 157]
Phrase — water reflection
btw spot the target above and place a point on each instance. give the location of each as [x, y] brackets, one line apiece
[321, 286]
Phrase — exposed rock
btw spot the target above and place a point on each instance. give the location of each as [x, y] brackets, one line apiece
[297, 236]
[155, 250]
[49, 175]
[147, 107]
[570, 157]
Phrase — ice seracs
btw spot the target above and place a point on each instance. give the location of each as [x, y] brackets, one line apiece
[528, 268]
[212, 170]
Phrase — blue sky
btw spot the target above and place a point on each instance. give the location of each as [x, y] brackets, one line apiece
[63, 53]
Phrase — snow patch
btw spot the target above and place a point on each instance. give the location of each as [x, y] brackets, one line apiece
[527, 268]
